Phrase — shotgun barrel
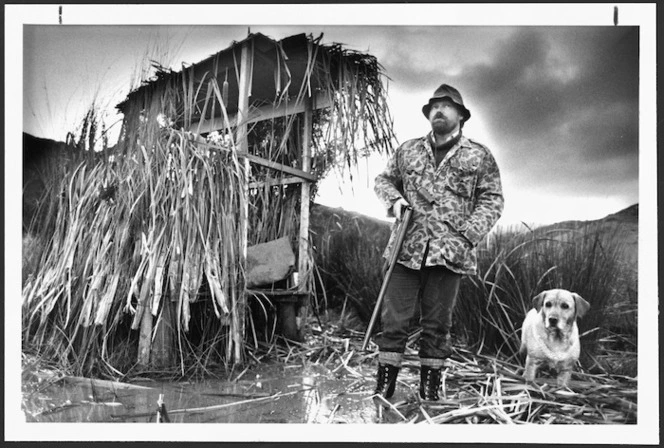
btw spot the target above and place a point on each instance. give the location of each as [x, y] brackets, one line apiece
[405, 219]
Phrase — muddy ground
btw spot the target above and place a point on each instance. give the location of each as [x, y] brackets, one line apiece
[334, 387]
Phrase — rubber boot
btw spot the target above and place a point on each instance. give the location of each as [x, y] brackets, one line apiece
[386, 380]
[429, 383]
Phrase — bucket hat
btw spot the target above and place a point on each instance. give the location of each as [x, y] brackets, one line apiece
[447, 91]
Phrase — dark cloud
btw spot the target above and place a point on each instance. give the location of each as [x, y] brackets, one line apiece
[529, 90]
[560, 103]
[563, 103]
[537, 79]
[438, 54]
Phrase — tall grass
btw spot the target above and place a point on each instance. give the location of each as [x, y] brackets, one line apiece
[348, 248]
[514, 265]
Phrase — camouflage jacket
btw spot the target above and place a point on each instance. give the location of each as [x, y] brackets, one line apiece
[454, 205]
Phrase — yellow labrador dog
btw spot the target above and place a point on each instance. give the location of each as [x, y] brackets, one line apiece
[550, 336]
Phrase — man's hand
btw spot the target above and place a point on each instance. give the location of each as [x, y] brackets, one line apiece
[398, 207]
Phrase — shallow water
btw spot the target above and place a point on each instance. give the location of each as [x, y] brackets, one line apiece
[278, 393]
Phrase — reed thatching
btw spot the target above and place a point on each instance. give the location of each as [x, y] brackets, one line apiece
[147, 240]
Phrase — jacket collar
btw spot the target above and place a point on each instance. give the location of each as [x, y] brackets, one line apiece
[427, 139]
[463, 141]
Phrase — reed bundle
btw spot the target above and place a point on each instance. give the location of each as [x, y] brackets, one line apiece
[131, 236]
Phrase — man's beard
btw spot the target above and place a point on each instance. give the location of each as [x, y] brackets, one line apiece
[442, 127]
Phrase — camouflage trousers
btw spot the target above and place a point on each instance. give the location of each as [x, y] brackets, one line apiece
[432, 291]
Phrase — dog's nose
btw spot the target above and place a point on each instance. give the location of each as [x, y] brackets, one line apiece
[553, 321]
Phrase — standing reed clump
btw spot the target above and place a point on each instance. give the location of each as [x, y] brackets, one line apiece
[349, 250]
[132, 236]
[516, 266]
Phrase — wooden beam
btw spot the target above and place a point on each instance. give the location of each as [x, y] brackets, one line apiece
[238, 315]
[278, 166]
[164, 336]
[303, 256]
[243, 154]
[262, 113]
[272, 182]
[145, 336]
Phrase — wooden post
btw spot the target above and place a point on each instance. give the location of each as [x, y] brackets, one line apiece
[145, 336]
[303, 255]
[164, 336]
[143, 317]
[244, 86]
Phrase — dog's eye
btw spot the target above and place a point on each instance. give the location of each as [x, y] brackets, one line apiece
[548, 304]
[564, 306]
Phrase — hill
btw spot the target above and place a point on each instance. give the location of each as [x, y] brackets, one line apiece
[622, 226]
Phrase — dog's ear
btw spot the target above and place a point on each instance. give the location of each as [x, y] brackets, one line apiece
[538, 300]
[580, 304]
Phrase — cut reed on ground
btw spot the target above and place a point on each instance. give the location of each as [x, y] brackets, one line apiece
[475, 389]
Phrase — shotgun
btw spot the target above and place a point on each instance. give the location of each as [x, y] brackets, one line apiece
[401, 234]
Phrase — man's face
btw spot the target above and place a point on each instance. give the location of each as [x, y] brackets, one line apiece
[444, 116]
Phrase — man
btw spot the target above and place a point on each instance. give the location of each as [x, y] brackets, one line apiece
[453, 186]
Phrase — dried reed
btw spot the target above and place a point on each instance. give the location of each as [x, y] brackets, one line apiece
[147, 240]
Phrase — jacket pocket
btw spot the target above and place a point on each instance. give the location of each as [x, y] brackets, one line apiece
[456, 249]
[413, 187]
[461, 177]
[413, 175]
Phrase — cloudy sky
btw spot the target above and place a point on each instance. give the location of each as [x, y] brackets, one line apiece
[557, 105]
[559, 95]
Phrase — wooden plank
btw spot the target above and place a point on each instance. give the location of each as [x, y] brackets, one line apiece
[143, 316]
[106, 384]
[145, 338]
[279, 167]
[244, 86]
[164, 336]
[275, 292]
[262, 113]
[243, 154]
[303, 256]
[270, 182]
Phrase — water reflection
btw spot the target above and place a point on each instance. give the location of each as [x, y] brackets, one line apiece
[269, 394]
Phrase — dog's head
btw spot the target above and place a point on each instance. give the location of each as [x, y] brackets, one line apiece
[559, 308]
